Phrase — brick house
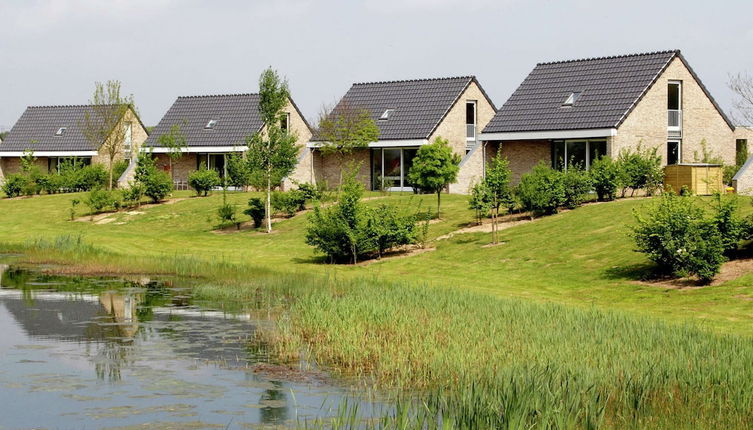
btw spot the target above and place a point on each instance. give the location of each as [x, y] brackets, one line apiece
[409, 114]
[217, 125]
[54, 134]
[574, 111]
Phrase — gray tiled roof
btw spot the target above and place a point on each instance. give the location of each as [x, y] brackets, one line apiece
[39, 124]
[419, 104]
[237, 117]
[609, 86]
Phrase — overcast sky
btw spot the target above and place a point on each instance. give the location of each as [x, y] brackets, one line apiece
[52, 51]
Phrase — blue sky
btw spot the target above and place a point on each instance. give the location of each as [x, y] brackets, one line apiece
[52, 51]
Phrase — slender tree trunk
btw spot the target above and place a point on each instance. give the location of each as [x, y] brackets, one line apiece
[269, 204]
[172, 175]
[112, 160]
[439, 197]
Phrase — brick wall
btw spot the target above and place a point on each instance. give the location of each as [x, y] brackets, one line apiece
[523, 155]
[647, 123]
[328, 168]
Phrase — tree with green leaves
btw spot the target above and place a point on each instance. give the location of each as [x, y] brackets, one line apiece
[104, 122]
[346, 129]
[272, 152]
[434, 168]
[498, 183]
[175, 142]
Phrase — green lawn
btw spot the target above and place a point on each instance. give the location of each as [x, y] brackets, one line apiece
[582, 257]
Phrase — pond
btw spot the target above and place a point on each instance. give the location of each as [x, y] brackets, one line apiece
[110, 353]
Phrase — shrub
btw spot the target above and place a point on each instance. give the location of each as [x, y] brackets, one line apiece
[50, 184]
[157, 185]
[577, 183]
[100, 199]
[15, 184]
[542, 191]
[133, 195]
[727, 222]
[288, 202]
[604, 175]
[310, 191]
[204, 180]
[336, 231]
[255, 211]
[91, 177]
[640, 169]
[480, 201]
[350, 231]
[386, 228]
[679, 239]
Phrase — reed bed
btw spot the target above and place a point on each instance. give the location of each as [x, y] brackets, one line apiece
[462, 359]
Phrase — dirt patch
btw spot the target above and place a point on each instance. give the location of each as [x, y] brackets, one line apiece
[401, 252]
[729, 271]
[504, 222]
[104, 217]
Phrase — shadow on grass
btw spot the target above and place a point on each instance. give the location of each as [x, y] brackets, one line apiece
[635, 272]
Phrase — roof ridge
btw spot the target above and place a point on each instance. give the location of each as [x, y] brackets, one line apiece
[57, 106]
[416, 80]
[609, 57]
[218, 95]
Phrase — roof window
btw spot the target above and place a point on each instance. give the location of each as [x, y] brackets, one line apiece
[211, 124]
[61, 131]
[572, 98]
[386, 115]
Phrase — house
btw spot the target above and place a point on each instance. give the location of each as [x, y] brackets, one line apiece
[215, 126]
[54, 134]
[409, 114]
[743, 180]
[571, 112]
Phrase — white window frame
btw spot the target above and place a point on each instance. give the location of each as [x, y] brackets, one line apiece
[61, 131]
[679, 150]
[403, 174]
[475, 121]
[211, 124]
[386, 114]
[588, 150]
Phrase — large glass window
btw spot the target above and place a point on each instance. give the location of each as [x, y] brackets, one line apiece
[579, 153]
[389, 168]
[54, 164]
[212, 161]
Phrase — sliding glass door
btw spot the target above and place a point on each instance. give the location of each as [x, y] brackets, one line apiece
[389, 168]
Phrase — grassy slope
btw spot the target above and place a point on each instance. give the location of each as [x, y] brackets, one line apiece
[581, 257]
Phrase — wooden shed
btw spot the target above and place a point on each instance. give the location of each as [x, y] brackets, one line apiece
[699, 178]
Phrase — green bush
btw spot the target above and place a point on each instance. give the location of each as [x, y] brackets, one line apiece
[50, 184]
[577, 184]
[99, 200]
[255, 211]
[133, 195]
[91, 177]
[480, 201]
[204, 180]
[386, 228]
[542, 191]
[349, 231]
[727, 222]
[310, 191]
[15, 184]
[605, 175]
[676, 235]
[226, 213]
[288, 202]
[640, 169]
[157, 185]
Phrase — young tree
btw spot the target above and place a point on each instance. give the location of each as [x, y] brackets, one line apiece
[500, 191]
[742, 85]
[175, 142]
[272, 153]
[434, 168]
[103, 123]
[345, 130]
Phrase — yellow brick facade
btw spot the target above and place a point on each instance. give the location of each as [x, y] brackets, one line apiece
[647, 123]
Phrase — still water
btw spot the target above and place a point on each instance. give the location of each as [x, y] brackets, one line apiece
[84, 353]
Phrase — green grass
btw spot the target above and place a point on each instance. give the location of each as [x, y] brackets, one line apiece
[582, 257]
[549, 329]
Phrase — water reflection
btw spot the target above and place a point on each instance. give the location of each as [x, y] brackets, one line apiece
[135, 351]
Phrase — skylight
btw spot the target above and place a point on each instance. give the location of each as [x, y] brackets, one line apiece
[211, 124]
[571, 99]
[386, 115]
[61, 131]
